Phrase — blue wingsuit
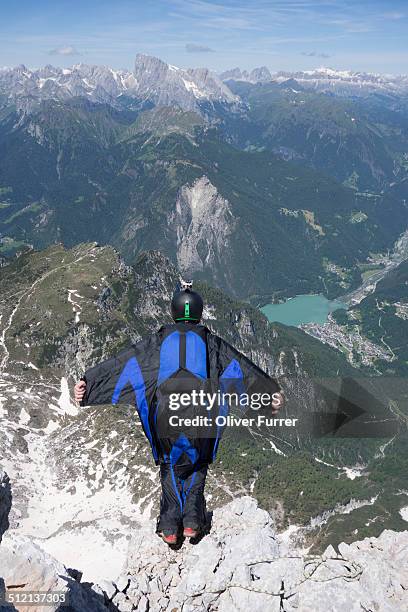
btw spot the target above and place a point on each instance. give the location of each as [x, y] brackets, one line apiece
[177, 358]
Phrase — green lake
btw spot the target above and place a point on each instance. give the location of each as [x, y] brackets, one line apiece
[302, 309]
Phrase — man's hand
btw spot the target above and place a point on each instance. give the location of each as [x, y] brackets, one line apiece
[278, 402]
[79, 391]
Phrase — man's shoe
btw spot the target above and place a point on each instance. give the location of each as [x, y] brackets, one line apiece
[169, 539]
[190, 533]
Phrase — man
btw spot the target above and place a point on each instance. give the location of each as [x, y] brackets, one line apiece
[184, 357]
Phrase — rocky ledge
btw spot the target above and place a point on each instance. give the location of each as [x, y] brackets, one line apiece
[241, 564]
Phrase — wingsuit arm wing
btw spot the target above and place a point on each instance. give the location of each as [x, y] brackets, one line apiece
[127, 378]
[235, 367]
[235, 373]
[101, 381]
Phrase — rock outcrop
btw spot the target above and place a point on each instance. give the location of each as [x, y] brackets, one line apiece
[24, 566]
[5, 502]
[241, 564]
[203, 222]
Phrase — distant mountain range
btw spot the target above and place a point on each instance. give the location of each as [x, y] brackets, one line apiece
[161, 83]
[261, 184]
[340, 82]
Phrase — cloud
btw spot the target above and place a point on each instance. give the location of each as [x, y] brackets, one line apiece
[193, 48]
[316, 54]
[66, 50]
[393, 15]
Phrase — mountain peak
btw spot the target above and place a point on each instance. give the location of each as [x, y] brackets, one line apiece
[143, 61]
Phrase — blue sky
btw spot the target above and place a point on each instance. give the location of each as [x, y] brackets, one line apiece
[283, 34]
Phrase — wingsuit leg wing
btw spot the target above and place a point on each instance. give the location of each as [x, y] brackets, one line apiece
[182, 502]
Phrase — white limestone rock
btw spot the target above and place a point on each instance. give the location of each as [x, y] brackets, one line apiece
[241, 565]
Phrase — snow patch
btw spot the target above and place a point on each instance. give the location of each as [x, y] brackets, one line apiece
[404, 513]
[352, 473]
[24, 418]
[192, 87]
[276, 449]
[75, 305]
[51, 427]
[64, 401]
[209, 312]
[91, 444]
